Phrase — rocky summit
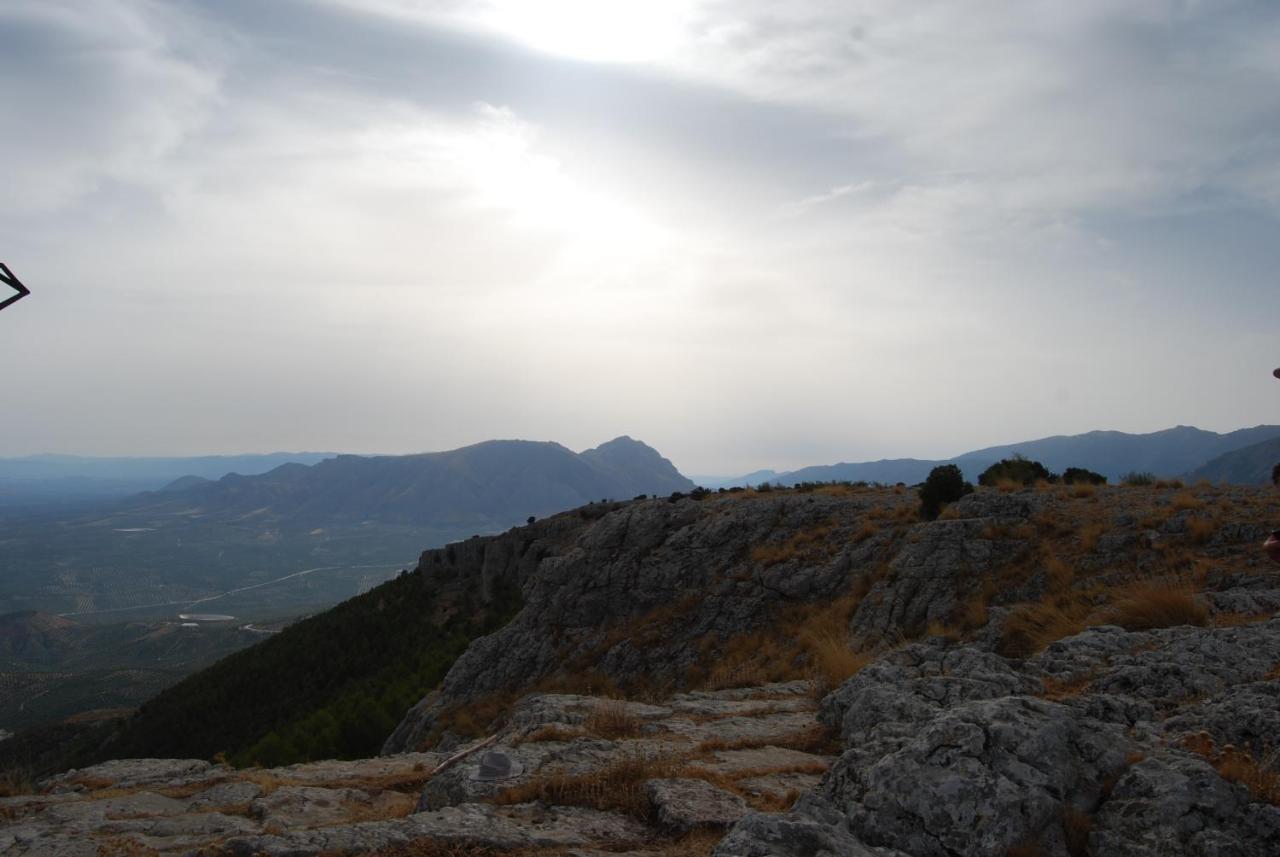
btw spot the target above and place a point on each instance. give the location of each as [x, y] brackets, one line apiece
[1052, 671]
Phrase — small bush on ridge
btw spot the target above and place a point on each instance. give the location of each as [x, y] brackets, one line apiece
[1081, 475]
[1016, 469]
[945, 485]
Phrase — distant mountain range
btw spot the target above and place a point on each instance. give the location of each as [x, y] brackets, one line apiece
[1251, 465]
[302, 536]
[1179, 451]
[44, 480]
[488, 486]
[291, 541]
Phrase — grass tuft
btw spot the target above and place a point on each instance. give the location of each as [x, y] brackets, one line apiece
[1261, 776]
[618, 787]
[611, 718]
[1152, 606]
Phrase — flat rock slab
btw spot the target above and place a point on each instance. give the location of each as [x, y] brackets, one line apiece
[716, 708]
[691, 804]
[224, 795]
[332, 771]
[765, 759]
[132, 773]
[291, 807]
[780, 785]
[180, 832]
[521, 826]
[567, 709]
[40, 842]
[463, 783]
[761, 728]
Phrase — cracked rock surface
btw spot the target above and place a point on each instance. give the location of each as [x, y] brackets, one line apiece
[953, 750]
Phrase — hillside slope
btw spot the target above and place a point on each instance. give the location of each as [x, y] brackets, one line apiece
[1060, 671]
[52, 668]
[1251, 465]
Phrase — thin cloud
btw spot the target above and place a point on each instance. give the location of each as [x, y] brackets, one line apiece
[751, 234]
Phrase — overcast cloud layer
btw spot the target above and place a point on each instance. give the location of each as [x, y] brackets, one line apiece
[750, 233]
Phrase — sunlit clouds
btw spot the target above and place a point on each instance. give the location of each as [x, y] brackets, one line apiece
[752, 234]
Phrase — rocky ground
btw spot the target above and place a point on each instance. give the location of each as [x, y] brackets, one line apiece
[1053, 672]
[570, 774]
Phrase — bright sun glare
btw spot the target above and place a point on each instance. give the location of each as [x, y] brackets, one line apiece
[593, 30]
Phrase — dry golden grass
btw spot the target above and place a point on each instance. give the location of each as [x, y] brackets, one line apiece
[1076, 827]
[1149, 606]
[1008, 486]
[806, 642]
[119, 846]
[439, 848]
[15, 782]
[1184, 501]
[803, 544]
[645, 629]
[552, 732]
[1260, 776]
[473, 719]
[1057, 689]
[1200, 530]
[618, 787]
[747, 660]
[1089, 535]
[833, 660]
[1058, 575]
[389, 805]
[611, 718]
[1032, 627]
[763, 803]
[1005, 531]
[1235, 620]
[866, 531]
[697, 844]
[817, 739]
[838, 490]
[1081, 490]
[948, 632]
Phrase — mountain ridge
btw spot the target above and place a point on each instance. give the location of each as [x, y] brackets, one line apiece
[1172, 452]
[1250, 465]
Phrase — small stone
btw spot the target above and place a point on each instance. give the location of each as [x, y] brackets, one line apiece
[690, 804]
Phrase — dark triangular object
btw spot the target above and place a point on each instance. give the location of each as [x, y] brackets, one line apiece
[9, 279]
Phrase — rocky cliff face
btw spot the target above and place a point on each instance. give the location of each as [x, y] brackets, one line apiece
[1061, 672]
[651, 592]
[954, 750]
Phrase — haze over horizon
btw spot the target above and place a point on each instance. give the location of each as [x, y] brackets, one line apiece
[750, 235]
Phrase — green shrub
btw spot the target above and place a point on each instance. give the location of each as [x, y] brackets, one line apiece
[1016, 469]
[1275, 475]
[1074, 475]
[1139, 478]
[945, 485]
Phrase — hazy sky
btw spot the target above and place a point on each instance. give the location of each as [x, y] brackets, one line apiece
[749, 233]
